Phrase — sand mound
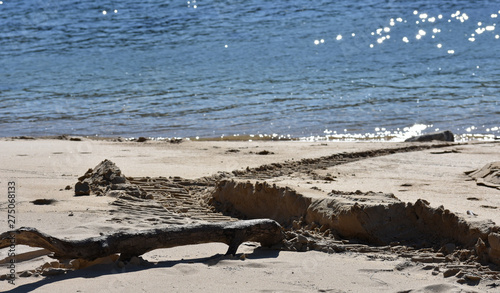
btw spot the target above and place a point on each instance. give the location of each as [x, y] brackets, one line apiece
[373, 218]
[106, 179]
[489, 175]
[260, 200]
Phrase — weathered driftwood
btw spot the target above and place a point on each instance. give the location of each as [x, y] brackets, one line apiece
[128, 244]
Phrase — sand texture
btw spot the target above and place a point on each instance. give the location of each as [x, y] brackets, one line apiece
[355, 216]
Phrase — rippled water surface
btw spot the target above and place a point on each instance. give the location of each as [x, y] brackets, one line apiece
[212, 68]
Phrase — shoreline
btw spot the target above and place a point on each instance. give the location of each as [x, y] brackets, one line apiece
[433, 172]
[265, 137]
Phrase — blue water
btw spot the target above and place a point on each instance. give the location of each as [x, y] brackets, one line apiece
[212, 68]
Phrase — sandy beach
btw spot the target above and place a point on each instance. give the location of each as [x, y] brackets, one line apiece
[357, 216]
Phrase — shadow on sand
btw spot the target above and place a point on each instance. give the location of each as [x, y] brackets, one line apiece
[111, 269]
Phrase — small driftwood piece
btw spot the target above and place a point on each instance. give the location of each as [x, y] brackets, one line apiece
[128, 244]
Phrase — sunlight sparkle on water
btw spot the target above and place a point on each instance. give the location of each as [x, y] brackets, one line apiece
[469, 129]
[414, 130]
[382, 33]
[421, 33]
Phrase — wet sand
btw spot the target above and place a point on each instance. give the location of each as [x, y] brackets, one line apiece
[358, 216]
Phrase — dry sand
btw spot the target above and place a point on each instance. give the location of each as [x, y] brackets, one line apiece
[434, 172]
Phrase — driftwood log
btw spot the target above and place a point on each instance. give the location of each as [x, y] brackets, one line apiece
[128, 244]
[442, 136]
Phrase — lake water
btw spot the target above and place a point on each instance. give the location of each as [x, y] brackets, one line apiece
[358, 69]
